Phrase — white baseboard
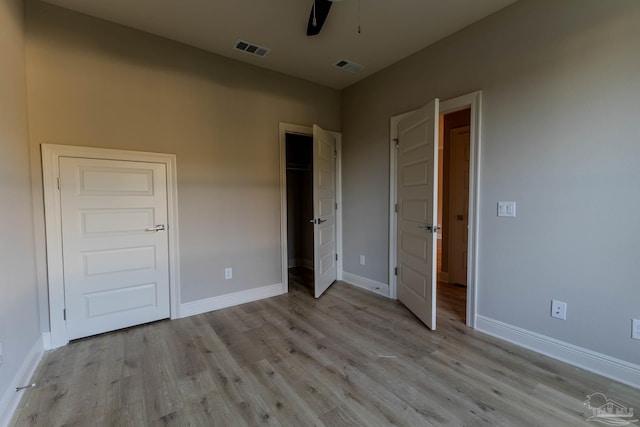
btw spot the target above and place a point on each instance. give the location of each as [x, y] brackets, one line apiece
[229, 300]
[607, 366]
[11, 398]
[46, 341]
[368, 284]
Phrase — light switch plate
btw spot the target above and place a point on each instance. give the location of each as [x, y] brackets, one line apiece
[507, 209]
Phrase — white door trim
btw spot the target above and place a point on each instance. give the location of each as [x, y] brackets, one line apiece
[53, 221]
[284, 129]
[474, 102]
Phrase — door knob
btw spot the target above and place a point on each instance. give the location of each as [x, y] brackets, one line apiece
[430, 228]
[157, 228]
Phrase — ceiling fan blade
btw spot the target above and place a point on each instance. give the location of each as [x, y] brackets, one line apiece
[322, 8]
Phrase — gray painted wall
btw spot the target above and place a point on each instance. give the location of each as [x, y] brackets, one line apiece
[560, 137]
[94, 83]
[19, 329]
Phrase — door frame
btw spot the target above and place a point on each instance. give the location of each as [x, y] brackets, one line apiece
[474, 102]
[53, 222]
[284, 129]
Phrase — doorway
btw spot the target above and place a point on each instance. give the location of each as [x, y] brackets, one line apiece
[311, 220]
[111, 238]
[299, 179]
[453, 211]
[473, 103]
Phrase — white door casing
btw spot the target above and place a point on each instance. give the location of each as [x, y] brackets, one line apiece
[115, 245]
[324, 208]
[51, 156]
[417, 188]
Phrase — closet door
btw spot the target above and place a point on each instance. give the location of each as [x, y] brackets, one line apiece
[324, 208]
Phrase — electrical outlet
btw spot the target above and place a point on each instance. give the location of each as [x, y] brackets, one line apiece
[362, 260]
[559, 309]
[228, 273]
[635, 329]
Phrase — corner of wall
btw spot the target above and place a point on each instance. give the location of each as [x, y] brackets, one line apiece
[11, 398]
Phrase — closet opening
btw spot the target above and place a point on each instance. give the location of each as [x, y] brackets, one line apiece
[300, 227]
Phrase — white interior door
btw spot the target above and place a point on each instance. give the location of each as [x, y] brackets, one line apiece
[417, 212]
[115, 251]
[324, 210]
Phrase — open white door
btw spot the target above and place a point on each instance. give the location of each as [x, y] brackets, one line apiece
[417, 212]
[115, 247]
[324, 210]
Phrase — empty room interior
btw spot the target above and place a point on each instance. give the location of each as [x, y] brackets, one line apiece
[319, 212]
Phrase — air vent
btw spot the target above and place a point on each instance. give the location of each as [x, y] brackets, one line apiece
[251, 48]
[349, 66]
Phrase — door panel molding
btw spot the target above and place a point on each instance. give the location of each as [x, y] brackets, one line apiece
[51, 153]
[474, 102]
[417, 195]
[324, 210]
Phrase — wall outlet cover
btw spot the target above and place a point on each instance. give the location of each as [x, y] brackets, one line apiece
[228, 273]
[635, 329]
[559, 309]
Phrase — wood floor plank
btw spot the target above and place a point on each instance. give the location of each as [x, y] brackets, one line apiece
[307, 385]
[349, 358]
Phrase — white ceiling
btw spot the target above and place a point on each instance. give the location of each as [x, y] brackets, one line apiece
[391, 29]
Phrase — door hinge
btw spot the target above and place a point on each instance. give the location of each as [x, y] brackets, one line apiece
[397, 141]
[395, 271]
[336, 257]
[58, 183]
[396, 207]
[336, 205]
[64, 313]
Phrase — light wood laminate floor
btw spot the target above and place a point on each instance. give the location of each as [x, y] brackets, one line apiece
[348, 358]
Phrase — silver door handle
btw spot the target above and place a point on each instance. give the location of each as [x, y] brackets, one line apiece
[320, 221]
[157, 228]
[430, 228]
[317, 221]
